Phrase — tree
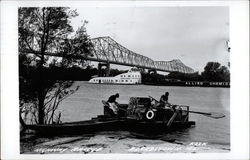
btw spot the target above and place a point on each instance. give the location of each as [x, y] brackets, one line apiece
[223, 74]
[44, 30]
[213, 71]
[184, 76]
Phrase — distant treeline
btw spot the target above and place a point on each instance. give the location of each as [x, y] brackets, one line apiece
[63, 73]
[60, 73]
[171, 77]
[213, 72]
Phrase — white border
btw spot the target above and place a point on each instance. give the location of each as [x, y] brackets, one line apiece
[239, 38]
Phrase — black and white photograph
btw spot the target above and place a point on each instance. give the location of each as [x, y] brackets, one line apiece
[124, 79]
[119, 80]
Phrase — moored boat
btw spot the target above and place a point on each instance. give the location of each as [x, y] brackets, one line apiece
[133, 76]
[140, 115]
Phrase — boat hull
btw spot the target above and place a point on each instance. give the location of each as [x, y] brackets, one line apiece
[157, 127]
[93, 126]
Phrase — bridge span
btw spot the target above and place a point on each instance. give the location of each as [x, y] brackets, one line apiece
[108, 51]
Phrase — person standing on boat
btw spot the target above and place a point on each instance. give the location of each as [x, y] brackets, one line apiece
[112, 103]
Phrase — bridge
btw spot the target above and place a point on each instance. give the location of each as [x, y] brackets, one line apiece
[107, 51]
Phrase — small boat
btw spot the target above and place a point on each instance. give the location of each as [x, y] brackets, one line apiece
[139, 115]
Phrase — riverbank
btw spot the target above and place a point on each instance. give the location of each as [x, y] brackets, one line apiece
[115, 142]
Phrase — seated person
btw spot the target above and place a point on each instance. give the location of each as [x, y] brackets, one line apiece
[164, 101]
[164, 98]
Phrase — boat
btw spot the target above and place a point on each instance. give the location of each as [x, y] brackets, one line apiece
[139, 115]
[133, 76]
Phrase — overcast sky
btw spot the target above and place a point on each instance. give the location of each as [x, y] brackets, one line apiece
[195, 35]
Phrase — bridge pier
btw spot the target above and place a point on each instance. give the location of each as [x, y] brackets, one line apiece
[107, 69]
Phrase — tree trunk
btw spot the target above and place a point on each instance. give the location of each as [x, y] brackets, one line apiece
[21, 120]
[40, 108]
[41, 87]
[41, 92]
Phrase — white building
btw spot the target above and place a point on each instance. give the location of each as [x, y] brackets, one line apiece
[131, 77]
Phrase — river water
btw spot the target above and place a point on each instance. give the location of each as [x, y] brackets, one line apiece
[208, 132]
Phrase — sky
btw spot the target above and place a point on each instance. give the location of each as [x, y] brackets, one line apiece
[195, 35]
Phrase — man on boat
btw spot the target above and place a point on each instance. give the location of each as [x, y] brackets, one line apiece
[174, 110]
[164, 100]
[112, 103]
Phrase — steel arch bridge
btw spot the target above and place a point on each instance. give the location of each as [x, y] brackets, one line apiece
[109, 51]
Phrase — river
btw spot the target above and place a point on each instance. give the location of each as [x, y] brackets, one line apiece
[209, 134]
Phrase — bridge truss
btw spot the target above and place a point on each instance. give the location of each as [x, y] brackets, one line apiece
[108, 50]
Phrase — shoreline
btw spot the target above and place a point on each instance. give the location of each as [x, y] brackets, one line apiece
[121, 142]
[173, 84]
[192, 84]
